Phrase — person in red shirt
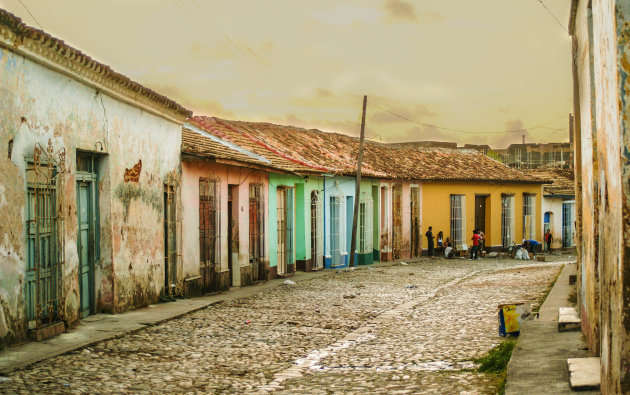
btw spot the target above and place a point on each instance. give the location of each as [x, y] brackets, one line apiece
[475, 247]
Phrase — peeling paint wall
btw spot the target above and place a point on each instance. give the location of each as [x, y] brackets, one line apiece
[589, 273]
[605, 196]
[38, 104]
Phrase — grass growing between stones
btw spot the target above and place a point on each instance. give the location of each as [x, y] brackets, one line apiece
[496, 362]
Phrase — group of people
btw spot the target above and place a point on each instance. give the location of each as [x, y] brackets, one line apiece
[445, 246]
[478, 243]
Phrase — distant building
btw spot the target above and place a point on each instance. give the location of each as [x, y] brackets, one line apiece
[535, 155]
[424, 144]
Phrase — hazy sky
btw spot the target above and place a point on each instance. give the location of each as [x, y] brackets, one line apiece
[483, 65]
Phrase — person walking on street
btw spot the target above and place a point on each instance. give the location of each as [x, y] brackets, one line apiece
[548, 239]
[475, 247]
[429, 236]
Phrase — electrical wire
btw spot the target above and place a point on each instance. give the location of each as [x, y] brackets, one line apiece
[468, 131]
[238, 48]
[32, 16]
[553, 16]
[190, 14]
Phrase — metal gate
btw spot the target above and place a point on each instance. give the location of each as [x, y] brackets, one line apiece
[172, 230]
[256, 231]
[209, 233]
[45, 233]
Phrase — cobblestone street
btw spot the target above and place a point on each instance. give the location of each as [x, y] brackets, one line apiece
[411, 328]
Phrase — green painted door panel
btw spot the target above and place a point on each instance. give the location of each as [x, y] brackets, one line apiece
[85, 212]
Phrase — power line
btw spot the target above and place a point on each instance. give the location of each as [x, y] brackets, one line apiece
[246, 54]
[190, 14]
[32, 16]
[553, 16]
[468, 131]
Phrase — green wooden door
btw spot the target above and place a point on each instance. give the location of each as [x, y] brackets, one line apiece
[85, 214]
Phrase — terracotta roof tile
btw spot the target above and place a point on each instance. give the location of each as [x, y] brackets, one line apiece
[560, 181]
[314, 150]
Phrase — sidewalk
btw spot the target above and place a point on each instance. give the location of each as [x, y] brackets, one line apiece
[539, 360]
[100, 327]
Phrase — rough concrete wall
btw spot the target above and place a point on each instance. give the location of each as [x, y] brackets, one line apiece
[611, 52]
[31, 111]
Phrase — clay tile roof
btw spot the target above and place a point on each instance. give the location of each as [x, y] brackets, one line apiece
[249, 142]
[197, 144]
[337, 153]
[559, 181]
[56, 50]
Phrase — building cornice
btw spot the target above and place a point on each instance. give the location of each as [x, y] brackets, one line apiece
[54, 54]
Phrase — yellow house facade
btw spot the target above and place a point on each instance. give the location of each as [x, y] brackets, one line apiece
[505, 212]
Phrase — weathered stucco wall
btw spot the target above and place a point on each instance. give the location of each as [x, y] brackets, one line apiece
[130, 270]
[612, 47]
[589, 271]
[241, 178]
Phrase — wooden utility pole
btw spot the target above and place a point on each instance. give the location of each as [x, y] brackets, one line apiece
[353, 242]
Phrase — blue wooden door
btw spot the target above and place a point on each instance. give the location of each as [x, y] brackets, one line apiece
[85, 214]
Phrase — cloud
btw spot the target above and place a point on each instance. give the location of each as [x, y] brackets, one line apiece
[400, 11]
[206, 107]
[323, 93]
[424, 133]
[346, 15]
[512, 137]
[503, 110]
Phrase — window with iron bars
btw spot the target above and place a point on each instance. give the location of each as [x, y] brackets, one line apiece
[337, 226]
[209, 223]
[567, 224]
[256, 222]
[317, 240]
[529, 216]
[507, 220]
[458, 215]
[285, 228]
[365, 224]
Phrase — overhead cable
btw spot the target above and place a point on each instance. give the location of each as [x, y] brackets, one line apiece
[468, 131]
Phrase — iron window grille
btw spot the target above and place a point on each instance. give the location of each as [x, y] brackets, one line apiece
[529, 216]
[256, 222]
[172, 229]
[317, 238]
[285, 228]
[567, 224]
[458, 215]
[507, 221]
[397, 236]
[337, 226]
[209, 228]
[365, 224]
[45, 234]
